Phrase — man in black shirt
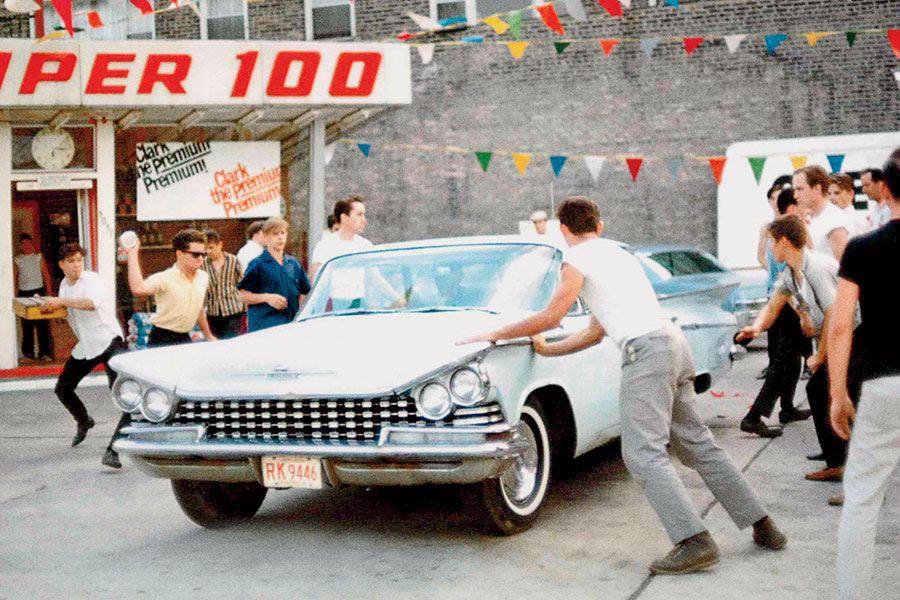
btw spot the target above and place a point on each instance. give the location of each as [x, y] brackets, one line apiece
[866, 275]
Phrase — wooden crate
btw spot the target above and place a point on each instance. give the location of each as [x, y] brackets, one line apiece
[30, 308]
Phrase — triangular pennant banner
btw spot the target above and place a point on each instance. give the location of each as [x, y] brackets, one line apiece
[773, 41]
[757, 163]
[426, 53]
[608, 45]
[626, 3]
[94, 19]
[594, 165]
[674, 165]
[690, 44]
[813, 38]
[402, 36]
[798, 161]
[575, 9]
[514, 19]
[560, 46]
[648, 46]
[517, 49]
[672, 3]
[734, 41]
[550, 18]
[835, 161]
[473, 39]
[717, 165]
[557, 163]
[329, 153]
[484, 159]
[521, 159]
[64, 10]
[894, 40]
[143, 5]
[851, 38]
[364, 148]
[634, 165]
[613, 7]
[497, 24]
[426, 23]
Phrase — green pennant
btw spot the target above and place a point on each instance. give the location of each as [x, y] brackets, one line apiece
[560, 46]
[514, 19]
[484, 159]
[851, 37]
[757, 163]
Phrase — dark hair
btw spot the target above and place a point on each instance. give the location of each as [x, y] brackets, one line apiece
[815, 176]
[579, 213]
[781, 182]
[184, 238]
[785, 199]
[331, 221]
[892, 174]
[345, 205]
[876, 173]
[70, 249]
[24, 236]
[254, 228]
[212, 236]
[790, 227]
[843, 181]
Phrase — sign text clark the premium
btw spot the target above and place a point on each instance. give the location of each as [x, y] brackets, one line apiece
[208, 180]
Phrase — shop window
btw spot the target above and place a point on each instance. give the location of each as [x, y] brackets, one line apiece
[121, 21]
[23, 158]
[225, 20]
[453, 10]
[329, 19]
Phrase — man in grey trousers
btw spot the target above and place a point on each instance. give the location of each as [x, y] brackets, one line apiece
[657, 389]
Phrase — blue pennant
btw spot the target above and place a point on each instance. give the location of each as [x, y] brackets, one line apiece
[773, 41]
[674, 168]
[557, 163]
[835, 161]
[364, 148]
[451, 21]
[473, 40]
[672, 3]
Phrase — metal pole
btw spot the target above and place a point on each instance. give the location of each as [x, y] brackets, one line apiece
[316, 186]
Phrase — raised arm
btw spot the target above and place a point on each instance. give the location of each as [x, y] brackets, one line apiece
[136, 281]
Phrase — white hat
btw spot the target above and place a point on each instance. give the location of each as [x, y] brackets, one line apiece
[538, 215]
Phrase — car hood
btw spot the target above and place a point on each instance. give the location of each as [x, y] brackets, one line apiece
[352, 355]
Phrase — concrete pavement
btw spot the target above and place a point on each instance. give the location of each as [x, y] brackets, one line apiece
[71, 528]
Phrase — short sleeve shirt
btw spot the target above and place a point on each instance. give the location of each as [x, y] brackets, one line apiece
[821, 226]
[616, 290]
[95, 329]
[346, 284]
[179, 300]
[266, 276]
[815, 287]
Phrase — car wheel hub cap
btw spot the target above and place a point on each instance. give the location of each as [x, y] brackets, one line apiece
[520, 479]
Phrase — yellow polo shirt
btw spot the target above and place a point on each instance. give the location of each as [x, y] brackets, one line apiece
[178, 300]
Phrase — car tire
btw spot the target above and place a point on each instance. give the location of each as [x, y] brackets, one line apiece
[214, 504]
[511, 503]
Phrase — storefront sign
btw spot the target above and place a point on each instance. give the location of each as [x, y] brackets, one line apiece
[202, 73]
[208, 180]
[55, 181]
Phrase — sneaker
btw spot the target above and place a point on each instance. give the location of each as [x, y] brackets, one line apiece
[789, 416]
[836, 500]
[767, 535]
[111, 459]
[760, 428]
[81, 431]
[827, 474]
[693, 554]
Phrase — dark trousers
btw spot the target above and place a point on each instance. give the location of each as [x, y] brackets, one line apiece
[77, 369]
[29, 326]
[785, 347]
[225, 327]
[165, 337]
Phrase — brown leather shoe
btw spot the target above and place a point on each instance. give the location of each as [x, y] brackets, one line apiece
[693, 554]
[837, 500]
[827, 474]
[767, 535]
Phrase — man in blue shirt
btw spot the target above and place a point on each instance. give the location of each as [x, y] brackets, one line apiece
[275, 284]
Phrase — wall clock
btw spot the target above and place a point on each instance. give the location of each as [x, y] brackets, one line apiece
[52, 148]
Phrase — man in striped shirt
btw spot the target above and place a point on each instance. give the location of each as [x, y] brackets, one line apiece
[224, 309]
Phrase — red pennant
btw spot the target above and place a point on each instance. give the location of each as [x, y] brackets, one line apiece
[64, 10]
[94, 19]
[143, 6]
[894, 40]
[613, 7]
[404, 35]
[634, 165]
[550, 18]
[608, 45]
[690, 44]
[175, 2]
[717, 164]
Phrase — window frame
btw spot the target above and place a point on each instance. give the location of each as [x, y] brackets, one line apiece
[471, 9]
[308, 20]
[204, 20]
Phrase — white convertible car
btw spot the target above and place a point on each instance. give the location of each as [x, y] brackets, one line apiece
[360, 392]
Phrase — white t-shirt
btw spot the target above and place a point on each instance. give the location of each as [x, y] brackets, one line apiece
[95, 329]
[858, 222]
[824, 223]
[881, 215]
[247, 253]
[346, 284]
[30, 277]
[616, 290]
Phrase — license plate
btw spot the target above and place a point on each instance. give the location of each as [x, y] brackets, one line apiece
[292, 471]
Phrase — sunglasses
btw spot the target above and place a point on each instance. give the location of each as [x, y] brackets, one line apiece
[195, 254]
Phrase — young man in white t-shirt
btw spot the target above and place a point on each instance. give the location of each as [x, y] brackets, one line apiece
[829, 227]
[657, 389]
[350, 214]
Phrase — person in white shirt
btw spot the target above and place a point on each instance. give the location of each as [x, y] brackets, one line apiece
[92, 317]
[256, 241]
[656, 393]
[871, 180]
[841, 193]
[33, 279]
[828, 227]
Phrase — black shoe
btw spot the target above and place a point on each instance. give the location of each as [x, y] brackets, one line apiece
[763, 373]
[760, 429]
[82, 430]
[819, 456]
[696, 553]
[789, 416]
[111, 459]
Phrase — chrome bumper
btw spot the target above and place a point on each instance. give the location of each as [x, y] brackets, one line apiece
[402, 455]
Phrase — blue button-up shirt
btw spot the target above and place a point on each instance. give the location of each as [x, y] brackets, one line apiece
[265, 276]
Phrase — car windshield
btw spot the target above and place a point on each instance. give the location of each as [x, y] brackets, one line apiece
[490, 277]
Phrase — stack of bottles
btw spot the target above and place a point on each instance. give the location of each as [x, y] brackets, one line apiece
[138, 330]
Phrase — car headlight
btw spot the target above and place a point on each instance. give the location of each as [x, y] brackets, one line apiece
[467, 387]
[127, 395]
[434, 402]
[157, 405]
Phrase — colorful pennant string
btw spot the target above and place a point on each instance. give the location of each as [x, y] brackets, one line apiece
[497, 24]
[835, 161]
[364, 148]
[560, 46]
[613, 7]
[773, 41]
[690, 44]
[674, 167]
[484, 159]
[893, 36]
[717, 165]
[851, 38]
[557, 162]
[550, 18]
[522, 159]
[757, 163]
[594, 165]
[517, 49]
[733, 42]
[634, 166]
[798, 162]
[608, 45]
[64, 10]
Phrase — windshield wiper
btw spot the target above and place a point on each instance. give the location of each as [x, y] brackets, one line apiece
[345, 313]
[451, 309]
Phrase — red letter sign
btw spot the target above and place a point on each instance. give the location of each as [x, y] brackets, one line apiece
[370, 61]
[100, 71]
[4, 63]
[245, 72]
[34, 72]
[283, 60]
[172, 80]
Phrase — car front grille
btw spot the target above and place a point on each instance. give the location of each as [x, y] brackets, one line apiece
[355, 421]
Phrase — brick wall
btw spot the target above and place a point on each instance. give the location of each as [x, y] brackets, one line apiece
[13, 25]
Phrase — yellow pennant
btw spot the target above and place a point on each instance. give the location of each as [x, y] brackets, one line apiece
[813, 38]
[499, 25]
[522, 159]
[517, 49]
[798, 161]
